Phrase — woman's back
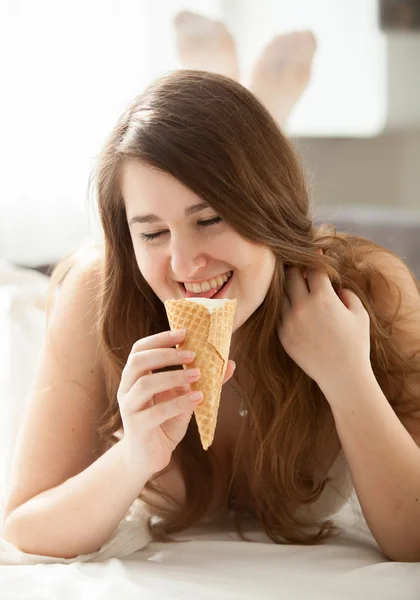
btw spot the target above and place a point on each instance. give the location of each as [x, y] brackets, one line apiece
[58, 436]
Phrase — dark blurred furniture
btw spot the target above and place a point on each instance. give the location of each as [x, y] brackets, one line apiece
[399, 15]
[44, 269]
[397, 229]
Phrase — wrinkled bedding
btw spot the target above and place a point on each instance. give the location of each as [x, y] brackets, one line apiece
[213, 562]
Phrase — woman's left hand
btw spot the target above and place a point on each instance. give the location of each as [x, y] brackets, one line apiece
[324, 332]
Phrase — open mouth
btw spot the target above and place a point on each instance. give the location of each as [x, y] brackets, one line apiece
[218, 292]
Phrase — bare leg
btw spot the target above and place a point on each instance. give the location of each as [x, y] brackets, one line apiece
[282, 72]
[205, 44]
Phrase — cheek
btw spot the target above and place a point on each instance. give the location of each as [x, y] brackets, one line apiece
[234, 251]
[149, 265]
[258, 271]
[260, 262]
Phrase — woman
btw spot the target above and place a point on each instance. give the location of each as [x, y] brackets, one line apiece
[197, 181]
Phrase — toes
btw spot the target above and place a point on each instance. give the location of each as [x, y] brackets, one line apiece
[291, 47]
[195, 25]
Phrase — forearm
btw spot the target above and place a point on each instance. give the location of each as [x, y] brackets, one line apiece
[80, 515]
[384, 462]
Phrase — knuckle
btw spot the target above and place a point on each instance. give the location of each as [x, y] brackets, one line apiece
[134, 359]
[163, 336]
[127, 406]
[142, 384]
[124, 402]
[168, 354]
[161, 410]
[325, 301]
[137, 346]
[175, 379]
[178, 377]
[299, 313]
[181, 402]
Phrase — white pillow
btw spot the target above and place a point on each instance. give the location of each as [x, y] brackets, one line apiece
[23, 294]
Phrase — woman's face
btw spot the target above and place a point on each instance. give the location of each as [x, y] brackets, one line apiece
[182, 247]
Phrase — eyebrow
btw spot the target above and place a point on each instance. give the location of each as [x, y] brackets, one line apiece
[149, 218]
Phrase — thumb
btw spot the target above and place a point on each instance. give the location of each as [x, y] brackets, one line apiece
[230, 369]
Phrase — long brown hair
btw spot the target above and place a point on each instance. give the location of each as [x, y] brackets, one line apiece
[214, 136]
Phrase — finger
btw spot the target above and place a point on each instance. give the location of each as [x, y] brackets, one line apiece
[230, 369]
[140, 363]
[171, 394]
[148, 386]
[351, 300]
[165, 339]
[183, 389]
[296, 287]
[158, 414]
[319, 281]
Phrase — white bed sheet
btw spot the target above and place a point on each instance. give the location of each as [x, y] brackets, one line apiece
[214, 563]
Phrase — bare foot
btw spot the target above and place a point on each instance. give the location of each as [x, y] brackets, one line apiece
[282, 72]
[205, 44]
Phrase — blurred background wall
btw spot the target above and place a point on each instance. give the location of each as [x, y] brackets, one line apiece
[70, 68]
[380, 171]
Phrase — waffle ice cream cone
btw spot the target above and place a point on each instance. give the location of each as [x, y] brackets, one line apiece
[209, 330]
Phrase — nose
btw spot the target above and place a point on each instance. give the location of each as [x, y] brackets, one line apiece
[187, 258]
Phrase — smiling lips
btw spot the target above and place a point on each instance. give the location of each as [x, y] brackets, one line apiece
[206, 289]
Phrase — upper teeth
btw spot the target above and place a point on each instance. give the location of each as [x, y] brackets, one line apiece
[205, 286]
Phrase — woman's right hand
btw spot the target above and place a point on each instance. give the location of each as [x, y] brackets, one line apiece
[156, 408]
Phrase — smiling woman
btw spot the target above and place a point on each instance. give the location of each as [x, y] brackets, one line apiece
[189, 244]
[201, 194]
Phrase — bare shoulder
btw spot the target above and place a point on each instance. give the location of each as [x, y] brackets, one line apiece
[58, 435]
[76, 286]
[73, 316]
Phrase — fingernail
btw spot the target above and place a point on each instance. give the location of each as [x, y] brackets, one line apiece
[192, 374]
[196, 396]
[177, 333]
[234, 364]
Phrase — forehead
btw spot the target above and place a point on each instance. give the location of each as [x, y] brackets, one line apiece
[146, 188]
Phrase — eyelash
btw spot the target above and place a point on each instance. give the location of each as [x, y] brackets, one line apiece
[149, 237]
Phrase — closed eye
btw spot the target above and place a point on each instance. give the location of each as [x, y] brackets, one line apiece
[148, 237]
